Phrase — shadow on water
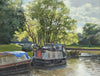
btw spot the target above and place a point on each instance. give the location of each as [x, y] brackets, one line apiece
[83, 66]
[22, 74]
[51, 68]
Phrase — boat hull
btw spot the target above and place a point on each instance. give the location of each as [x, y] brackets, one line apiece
[39, 63]
[15, 68]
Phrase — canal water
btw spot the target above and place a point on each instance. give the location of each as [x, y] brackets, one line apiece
[83, 66]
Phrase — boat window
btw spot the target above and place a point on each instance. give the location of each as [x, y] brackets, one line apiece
[48, 55]
[11, 59]
[56, 55]
[53, 54]
[59, 54]
[4, 60]
[44, 55]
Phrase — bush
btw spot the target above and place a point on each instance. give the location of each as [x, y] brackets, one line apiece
[27, 47]
[84, 41]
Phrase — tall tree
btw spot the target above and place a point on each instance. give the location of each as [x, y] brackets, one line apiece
[52, 22]
[53, 19]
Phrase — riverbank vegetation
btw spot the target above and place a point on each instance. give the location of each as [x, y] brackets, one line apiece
[90, 35]
[83, 46]
[91, 52]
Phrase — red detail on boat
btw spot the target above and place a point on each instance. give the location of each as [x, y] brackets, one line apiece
[39, 54]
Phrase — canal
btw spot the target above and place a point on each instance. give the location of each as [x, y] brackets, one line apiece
[83, 66]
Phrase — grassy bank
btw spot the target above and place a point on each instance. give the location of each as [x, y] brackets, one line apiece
[12, 47]
[83, 46]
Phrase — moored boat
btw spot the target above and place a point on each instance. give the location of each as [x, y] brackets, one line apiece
[14, 62]
[49, 55]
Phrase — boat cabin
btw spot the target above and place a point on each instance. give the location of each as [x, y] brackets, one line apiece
[14, 62]
[13, 57]
[49, 55]
[50, 51]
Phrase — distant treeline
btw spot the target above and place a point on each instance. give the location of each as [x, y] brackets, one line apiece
[91, 35]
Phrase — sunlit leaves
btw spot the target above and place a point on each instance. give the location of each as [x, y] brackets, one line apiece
[21, 35]
[48, 22]
[53, 19]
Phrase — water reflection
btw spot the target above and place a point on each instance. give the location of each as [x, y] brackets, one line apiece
[84, 67]
[75, 67]
[55, 71]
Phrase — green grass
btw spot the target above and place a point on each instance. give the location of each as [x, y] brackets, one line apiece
[13, 47]
[10, 47]
[83, 46]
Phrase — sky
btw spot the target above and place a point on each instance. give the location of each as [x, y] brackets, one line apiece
[84, 11]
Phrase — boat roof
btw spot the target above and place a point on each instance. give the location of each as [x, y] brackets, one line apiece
[53, 46]
[57, 44]
[16, 53]
[3, 54]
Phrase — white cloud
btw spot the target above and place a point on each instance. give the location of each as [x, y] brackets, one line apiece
[79, 3]
[84, 11]
[67, 3]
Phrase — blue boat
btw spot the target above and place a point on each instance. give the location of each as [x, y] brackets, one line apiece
[14, 62]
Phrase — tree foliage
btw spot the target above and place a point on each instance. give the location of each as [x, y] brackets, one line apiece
[91, 34]
[47, 21]
[53, 21]
[9, 20]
